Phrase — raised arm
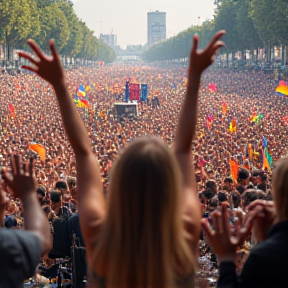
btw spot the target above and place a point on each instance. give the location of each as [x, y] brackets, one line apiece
[199, 61]
[91, 203]
[23, 185]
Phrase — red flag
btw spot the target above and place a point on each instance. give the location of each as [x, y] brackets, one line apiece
[212, 87]
[12, 110]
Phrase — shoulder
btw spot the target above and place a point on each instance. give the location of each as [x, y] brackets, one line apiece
[20, 252]
[10, 238]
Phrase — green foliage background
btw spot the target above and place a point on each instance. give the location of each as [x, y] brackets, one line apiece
[46, 19]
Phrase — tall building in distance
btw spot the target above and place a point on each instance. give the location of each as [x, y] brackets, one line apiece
[156, 27]
[109, 39]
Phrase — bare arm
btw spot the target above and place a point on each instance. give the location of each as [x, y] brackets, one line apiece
[23, 185]
[89, 186]
[199, 61]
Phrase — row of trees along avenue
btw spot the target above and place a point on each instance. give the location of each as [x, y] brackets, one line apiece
[46, 19]
[251, 25]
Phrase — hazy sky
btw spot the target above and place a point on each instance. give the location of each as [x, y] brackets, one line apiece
[128, 18]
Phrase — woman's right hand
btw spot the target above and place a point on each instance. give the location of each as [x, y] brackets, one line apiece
[265, 217]
[47, 67]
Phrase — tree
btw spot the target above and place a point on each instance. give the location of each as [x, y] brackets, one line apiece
[226, 19]
[54, 25]
[245, 27]
[270, 20]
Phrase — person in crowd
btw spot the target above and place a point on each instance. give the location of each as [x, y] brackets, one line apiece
[266, 264]
[41, 194]
[148, 184]
[20, 251]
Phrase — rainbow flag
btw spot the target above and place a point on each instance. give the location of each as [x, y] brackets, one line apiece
[267, 158]
[81, 103]
[81, 91]
[282, 88]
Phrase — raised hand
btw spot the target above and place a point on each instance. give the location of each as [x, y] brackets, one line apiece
[220, 238]
[22, 181]
[265, 218]
[47, 67]
[200, 60]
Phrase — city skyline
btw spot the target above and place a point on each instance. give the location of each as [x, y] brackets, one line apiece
[128, 19]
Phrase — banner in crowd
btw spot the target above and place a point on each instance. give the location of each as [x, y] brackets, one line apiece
[282, 88]
[39, 149]
[144, 92]
[134, 91]
[127, 91]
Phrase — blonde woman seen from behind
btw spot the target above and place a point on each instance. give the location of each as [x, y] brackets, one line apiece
[146, 235]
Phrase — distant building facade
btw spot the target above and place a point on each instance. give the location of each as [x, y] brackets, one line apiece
[109, 39]
[156, 27]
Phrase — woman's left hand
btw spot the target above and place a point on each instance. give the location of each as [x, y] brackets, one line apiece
[220, 235]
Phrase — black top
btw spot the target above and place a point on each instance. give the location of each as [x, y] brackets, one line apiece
[74, 228]
[20, 253]
[266, 266]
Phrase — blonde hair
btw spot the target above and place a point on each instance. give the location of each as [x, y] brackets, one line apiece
[280, 188]
[142, 243]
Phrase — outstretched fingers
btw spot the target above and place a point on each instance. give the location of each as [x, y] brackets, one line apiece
[7, 179]
[217, 45]
[53, 49]
[31, 166]
[16, 162]
[209, 233]
[32, 69]
[36, 49]
[225, 220]
[215, 38]
[245, 230]
[28, 56]
[195, 43]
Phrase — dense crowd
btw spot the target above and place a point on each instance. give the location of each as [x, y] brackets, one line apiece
[37, 120]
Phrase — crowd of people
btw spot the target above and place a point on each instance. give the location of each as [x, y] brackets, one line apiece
[36, 119]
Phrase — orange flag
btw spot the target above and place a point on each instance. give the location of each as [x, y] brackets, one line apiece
[224, 108]
[40, 150]
[234, 169]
